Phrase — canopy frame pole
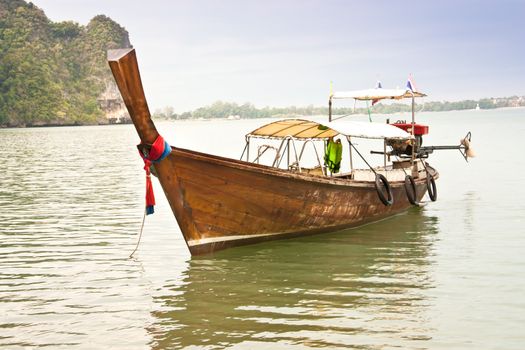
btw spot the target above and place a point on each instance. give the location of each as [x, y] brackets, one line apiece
[414, 143]
[330, 109]
[244, 150]
[285, 149]
[384, 153]
[350, 153]
[288, 154]
[264, 149]
[296, 155]
[248, 148]
[325, 149]
[277, 162]
[316, 153]
[413, 111]
[330, 102]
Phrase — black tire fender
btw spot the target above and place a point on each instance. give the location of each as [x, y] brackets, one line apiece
[379, 183]
[410, 189]
[431, 187]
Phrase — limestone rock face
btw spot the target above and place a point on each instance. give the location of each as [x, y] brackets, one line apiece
[55, 73]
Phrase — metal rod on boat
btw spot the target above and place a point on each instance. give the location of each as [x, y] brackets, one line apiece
[248, 149]
[413, 112]
[330, 102]
[350, 153]
[296, 155]
[413, 127]
[244, 150]
[288, 154]
[384, 153]
[330, 109]
[363, 158]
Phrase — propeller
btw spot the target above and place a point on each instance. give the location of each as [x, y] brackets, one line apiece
[467, 150]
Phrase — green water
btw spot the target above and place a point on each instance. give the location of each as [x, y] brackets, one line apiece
[449, 275]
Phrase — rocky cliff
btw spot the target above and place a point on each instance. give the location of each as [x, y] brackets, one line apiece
[56, 73]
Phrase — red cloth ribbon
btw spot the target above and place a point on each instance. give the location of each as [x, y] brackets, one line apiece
[158, 148]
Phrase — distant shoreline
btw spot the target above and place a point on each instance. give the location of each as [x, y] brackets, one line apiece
[233, 111]
[162, 119]
[57, 125]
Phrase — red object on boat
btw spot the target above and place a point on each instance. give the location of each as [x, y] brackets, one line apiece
[419, 129]
[159, 150]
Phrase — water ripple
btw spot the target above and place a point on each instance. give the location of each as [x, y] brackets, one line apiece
[71, 199]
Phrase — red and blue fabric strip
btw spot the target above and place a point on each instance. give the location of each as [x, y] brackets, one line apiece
[160, 149]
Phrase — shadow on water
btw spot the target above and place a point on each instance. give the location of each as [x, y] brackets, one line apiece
[361, 288]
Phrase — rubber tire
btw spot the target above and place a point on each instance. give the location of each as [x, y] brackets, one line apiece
[389, 200]
[410, 189]
[431, 188]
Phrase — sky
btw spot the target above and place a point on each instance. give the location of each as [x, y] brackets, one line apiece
[283, 53]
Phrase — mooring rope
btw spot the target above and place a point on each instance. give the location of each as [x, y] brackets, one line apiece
[159, 150]
[140, 234]
[363, 158]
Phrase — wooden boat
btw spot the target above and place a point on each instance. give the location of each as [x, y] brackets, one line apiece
[221, 202]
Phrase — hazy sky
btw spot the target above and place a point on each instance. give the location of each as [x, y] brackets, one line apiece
[280, 53]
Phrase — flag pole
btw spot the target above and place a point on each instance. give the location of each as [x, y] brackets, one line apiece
[330, 103]
[411, 86]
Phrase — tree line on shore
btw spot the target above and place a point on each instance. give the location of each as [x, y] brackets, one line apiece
[55, 73]
[224, 110]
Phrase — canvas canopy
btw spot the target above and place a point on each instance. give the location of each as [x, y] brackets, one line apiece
[377, 94]
[309, 129]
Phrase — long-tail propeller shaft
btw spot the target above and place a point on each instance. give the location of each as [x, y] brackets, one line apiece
[464, 148]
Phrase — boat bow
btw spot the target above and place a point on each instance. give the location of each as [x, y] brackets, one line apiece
[124, 66]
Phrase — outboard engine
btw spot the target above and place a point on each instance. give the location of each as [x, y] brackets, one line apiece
[404, 148]
[419, 130]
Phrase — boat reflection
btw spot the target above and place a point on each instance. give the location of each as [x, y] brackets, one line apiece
[362, 288]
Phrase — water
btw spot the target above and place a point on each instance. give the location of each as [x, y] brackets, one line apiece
[449, 275]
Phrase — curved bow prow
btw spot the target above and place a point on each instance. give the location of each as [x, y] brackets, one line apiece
[123, 64]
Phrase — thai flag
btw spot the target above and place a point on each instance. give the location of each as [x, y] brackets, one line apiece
[410, 84]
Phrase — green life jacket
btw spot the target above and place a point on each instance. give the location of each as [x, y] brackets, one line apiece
[333, 156]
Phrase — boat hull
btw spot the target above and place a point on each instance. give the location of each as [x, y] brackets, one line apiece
[220, 202]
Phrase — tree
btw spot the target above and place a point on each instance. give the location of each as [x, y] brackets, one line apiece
[53, 73]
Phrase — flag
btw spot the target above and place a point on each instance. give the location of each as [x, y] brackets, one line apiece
[410, 84]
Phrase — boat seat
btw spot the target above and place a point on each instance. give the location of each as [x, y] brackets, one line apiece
[317, 170]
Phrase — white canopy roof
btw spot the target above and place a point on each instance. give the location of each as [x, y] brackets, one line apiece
[368, 130]
[309, 129]
[377, 94]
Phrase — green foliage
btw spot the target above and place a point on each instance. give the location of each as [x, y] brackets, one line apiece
[247, 110]
[53, 73]
[65, 30]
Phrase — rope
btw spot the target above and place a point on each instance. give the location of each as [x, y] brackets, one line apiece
[398, 159]
[344, 116]
[159, 150]
[424, 166]
[363, 158]
[140, 235]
